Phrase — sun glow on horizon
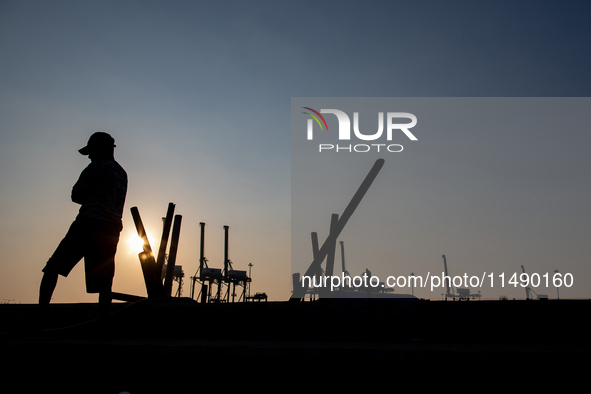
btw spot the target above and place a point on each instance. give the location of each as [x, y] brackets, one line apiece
[135, 244]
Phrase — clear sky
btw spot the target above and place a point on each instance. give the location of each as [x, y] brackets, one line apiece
[197, 96]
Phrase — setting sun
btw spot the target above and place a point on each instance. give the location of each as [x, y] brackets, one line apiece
[136, 244]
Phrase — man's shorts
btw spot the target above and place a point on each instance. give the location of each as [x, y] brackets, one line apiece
[96, 241]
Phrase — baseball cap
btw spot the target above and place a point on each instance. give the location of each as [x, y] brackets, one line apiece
[97, 141]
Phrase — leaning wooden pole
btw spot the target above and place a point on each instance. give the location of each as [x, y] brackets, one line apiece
[299, 291]
[330, 255]
[315, 247]
[331, 251]
[151, 275]
[164, 239]
[174, 242]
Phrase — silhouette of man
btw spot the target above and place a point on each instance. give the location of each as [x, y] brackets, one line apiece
[94, 234]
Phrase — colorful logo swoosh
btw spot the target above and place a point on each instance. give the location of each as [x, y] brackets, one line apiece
[315, 118]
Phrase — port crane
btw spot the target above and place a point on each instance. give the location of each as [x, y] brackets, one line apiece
[529, 291]
[452, 291]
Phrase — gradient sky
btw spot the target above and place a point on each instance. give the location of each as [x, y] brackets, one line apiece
[197, 96]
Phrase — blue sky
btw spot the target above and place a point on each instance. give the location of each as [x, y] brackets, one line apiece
[197, 96]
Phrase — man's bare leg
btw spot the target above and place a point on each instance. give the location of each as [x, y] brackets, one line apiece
[48, 283]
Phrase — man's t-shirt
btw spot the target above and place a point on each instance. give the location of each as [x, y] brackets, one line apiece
[101, 191]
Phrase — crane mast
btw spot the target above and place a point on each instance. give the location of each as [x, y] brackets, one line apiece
[345, 272]
[448, 293]
[528, 289]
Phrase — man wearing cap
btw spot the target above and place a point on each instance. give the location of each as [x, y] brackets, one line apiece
[94, 235]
